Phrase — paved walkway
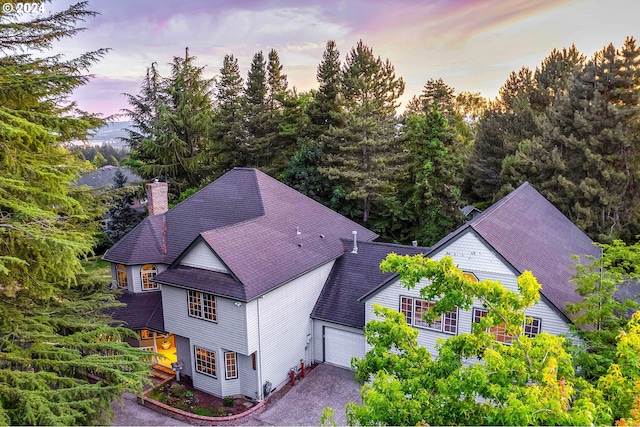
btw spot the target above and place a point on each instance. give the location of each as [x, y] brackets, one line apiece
[130, 413]
[302, 405]
[326, 385]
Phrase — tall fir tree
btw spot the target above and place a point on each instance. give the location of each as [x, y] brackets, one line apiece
[228, 131]
[175, 141]
[322, 112]
[53, 333]
[363, 155]
[255, 111]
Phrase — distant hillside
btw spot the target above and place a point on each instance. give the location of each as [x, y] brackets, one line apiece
[111, 132]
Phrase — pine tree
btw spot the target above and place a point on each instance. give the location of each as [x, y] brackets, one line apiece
[53, 335]
[227, 127]
[121, 217]
[366, 148]
[589, 146]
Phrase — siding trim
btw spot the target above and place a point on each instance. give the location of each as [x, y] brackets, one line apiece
[192, 245]
[518, 273]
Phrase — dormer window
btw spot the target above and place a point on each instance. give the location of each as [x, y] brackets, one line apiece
[148, 272]
[121, 276]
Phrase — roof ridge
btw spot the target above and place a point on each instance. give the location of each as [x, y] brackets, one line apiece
[497, 205]
[396, 245]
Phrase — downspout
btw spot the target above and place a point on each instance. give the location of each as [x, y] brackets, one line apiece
[260, 384]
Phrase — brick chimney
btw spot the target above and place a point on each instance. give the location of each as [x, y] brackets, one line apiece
[157, 202]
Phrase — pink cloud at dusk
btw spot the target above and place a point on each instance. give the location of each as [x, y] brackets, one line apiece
[472, 45]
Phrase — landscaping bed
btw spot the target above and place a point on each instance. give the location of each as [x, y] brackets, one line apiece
[184, 397]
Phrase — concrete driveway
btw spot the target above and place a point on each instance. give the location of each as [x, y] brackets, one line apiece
[326, 385]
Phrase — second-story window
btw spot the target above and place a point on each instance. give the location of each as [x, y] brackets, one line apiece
[202, 305]
[148, 272]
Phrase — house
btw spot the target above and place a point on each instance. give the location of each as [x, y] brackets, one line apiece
[248, 278]
[522, 231]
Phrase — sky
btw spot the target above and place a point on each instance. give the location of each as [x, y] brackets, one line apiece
[473, 45]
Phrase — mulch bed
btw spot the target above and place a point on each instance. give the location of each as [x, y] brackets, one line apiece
[204, 400]
[211, 402]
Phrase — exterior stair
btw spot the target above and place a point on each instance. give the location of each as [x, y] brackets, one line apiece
[162, 372]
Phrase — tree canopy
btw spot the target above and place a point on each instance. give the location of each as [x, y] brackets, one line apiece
[60, 361]
[531, 381]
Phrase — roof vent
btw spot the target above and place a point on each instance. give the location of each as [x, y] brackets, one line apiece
[299, 245]
[414, 243]
[322, 236]
[298, 231]
[355, 242]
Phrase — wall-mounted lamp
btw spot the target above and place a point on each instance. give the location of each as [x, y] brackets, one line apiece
[238, 304]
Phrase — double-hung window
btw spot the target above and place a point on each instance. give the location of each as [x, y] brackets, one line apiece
[531, 327]
[415, 313]
[202, 305]
[231, 366]
[205, 361]
[121, 275]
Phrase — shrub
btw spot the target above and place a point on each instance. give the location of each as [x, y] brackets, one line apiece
[188, 393]
[177, 390]
[229, 401]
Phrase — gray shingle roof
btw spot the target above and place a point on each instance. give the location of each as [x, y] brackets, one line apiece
[250, 220]
[352, 276]
[212, 282]
[143, 310]
[531, 234]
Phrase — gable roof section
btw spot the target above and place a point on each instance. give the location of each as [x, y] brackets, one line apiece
[250, 221]
[352, 276]
[531, 234]
[233, 198]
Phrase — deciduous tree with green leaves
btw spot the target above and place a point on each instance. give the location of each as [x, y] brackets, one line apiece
[530, 382]
[60, 361]
[608, 286]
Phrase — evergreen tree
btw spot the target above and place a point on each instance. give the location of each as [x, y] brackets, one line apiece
[283, 115]
[436, 173]
[255, 111]
[53, 335]
[172, 136]
[584, 160]
[228, 130]
[121, 217]
[366, 149]
[325, 109]
[322, 111]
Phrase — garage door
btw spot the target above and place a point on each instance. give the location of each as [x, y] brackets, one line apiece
[340, 346]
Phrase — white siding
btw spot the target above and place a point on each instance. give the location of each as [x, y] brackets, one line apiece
[201, 256]
[285, 326]
[227, 334]
[470, 254]
[135, 280]
[248, 376]
[183, 350]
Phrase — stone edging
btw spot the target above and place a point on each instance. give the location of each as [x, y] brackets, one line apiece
[192, 418]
